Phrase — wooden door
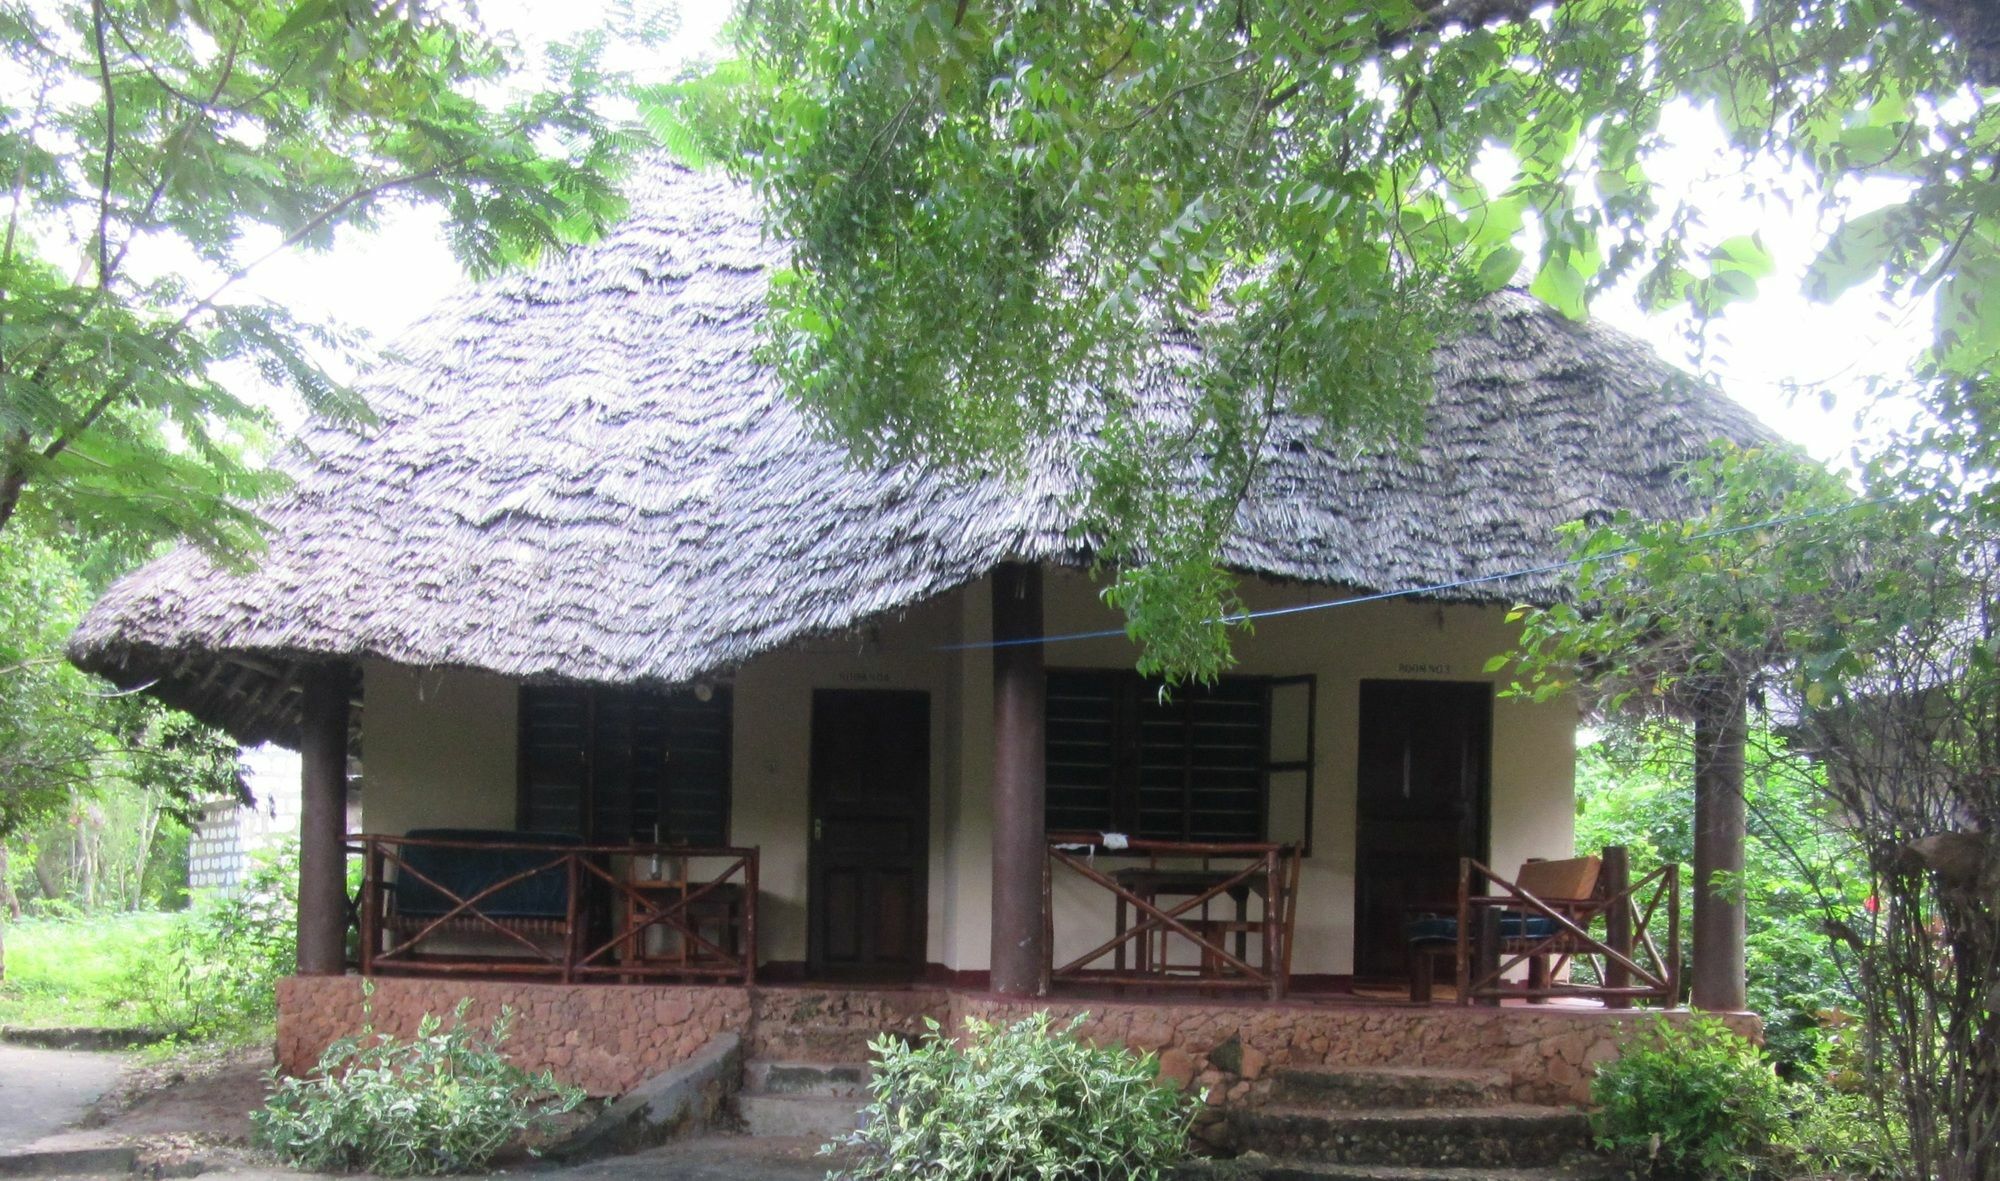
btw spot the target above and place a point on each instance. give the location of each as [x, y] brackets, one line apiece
[866, 905]
[1426, 751]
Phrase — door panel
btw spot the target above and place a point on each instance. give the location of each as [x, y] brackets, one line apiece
[1423, 786]
[867, 901]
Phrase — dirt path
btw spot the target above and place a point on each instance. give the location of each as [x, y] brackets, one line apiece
[45, 1091]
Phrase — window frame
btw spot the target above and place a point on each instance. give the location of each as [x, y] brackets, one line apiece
[592, 698]
[1125, 725]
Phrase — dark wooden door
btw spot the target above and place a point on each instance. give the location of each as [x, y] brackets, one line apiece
[871, 792]
[1426, 751]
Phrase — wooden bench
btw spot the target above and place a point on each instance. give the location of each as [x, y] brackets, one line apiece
[465, 862]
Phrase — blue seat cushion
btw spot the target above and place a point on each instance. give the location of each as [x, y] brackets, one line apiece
[466, 872]
[1437, 928]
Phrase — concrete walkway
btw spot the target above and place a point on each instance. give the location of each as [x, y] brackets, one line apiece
[712, 1157]
[45, 1091]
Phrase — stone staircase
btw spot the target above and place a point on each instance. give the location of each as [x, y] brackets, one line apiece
[809, 1100]
[1408, 1124]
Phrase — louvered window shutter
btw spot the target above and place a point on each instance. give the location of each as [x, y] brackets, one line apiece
[618, 766]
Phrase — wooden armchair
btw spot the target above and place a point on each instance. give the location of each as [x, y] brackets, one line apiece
[1570, 888]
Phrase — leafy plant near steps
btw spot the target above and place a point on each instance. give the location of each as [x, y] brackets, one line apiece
[445, 1101]
[1692, 1101]
[1024, 1100]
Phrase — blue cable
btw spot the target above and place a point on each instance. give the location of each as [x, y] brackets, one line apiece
[1437, 588]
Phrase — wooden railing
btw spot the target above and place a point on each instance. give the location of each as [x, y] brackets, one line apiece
[1267, 871]
[1634, 960]
[573, 911]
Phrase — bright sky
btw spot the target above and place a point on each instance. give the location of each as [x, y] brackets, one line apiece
[1800, 366]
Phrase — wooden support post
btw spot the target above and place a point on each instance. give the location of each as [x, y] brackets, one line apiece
[1020, 956]
[1487, 953]
[322, 946]
[1273, 886]
[1614, 876]
[370, 924]
[1720, 729]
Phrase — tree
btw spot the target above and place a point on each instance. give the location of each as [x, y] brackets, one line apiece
[999, 211]
[1635, 788]
[66, 742]
[1865, 625]
[157, 153]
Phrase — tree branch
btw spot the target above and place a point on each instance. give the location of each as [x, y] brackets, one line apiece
[97, 23]
[117, 389]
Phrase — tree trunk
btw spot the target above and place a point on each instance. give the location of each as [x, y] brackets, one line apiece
[46, 880]
[149, 827]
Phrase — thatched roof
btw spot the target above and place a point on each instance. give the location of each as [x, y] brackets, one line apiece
[581, 473]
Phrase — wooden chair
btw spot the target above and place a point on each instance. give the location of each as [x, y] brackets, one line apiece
[1570, 887]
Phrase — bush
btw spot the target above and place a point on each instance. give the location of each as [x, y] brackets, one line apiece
[1844, 1134]
[1693, 1101]
[445, 1101]
[228, 952]
[1841, 1124]
[1018, 1101]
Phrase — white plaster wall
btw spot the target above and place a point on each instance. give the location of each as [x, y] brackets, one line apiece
[1533, 745]
[437, 748]
[772, 757]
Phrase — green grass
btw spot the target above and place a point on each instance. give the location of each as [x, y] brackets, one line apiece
[63, 972]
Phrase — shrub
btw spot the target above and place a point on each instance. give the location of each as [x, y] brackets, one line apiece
[444, 1101]
[1841, 1124]
[1844, 1134]
[1692, 1101]
[228, 952]
[1020, 1101]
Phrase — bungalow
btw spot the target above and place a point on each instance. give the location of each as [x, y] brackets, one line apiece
[791, 747]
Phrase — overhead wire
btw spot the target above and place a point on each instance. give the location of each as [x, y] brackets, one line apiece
[1409, 592]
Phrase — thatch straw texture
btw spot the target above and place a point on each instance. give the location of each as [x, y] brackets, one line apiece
[582, 473]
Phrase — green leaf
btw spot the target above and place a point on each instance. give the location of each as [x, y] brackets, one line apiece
[1856, 252]
[1562, 287]
[1499, 267]
[1744, 254]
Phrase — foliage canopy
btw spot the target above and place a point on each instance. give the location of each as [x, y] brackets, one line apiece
[157, 153]
[999, 211]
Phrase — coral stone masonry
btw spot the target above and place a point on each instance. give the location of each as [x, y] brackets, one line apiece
[605, 1039]
[609, 1038]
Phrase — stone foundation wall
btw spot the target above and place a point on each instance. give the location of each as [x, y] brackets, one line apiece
[608, 1038]
[605, 1038]
[1229, 1048]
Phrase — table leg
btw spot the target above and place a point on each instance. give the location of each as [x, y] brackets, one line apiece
[1118, 956]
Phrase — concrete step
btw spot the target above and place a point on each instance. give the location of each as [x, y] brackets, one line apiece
[1358, 1088]
[1507, 1136]
[821, 1116]
[835, 1080]
[822, 1044]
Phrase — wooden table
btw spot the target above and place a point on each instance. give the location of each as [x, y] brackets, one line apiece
[716, 916]
[1151, 883]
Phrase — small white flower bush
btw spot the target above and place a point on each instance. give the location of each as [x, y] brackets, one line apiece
[444, 1101]
[1023, 1101]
